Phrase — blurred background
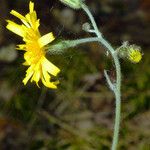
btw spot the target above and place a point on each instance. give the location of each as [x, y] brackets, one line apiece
[79, 115]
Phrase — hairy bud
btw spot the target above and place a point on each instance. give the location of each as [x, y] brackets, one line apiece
[131, 52]
[76, 4]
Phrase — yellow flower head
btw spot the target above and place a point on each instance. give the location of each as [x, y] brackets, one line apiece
[131, 52]
[134, 55]
[34, 47]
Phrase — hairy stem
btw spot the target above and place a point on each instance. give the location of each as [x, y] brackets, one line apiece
[85, 8]
[118, 103]
[117, 85]
[84, 40]
[59, 47]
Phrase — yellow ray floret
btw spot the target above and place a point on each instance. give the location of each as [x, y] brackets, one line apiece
[34, 46]
[135, 55]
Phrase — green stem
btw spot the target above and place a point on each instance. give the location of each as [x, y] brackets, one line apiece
[117, 93]
[117, 86]
[110, 84]
[84, 40]
[85, 8]
[59, 47]
[118, 103]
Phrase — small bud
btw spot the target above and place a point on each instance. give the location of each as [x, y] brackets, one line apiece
[76, 4]
[86, 27]
[131, 52]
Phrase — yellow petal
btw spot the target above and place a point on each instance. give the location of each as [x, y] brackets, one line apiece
[21, 47]
[46, 80]
[36, 77]
[48, 66]
[37, 24]
[28, 75]
[27, 56]
[46, 39]
[17, 29]
[45, 74]
[31, 6]
[32, 18]
[25, 63]
[18, 15]
[22, 18]
[49, 84]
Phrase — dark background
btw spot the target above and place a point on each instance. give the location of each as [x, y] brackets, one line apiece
[79, 115]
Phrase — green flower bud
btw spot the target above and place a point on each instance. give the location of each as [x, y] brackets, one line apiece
[131, 52]
[76, 4]
[86, 26]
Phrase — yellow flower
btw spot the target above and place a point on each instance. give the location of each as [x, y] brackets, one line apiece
[34, 47]
[134, 55]
[131, 52]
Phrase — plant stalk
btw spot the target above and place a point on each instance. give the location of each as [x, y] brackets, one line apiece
[117, 85]
[59, 47]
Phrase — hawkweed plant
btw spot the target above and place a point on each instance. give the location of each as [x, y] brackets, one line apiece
[36, 47]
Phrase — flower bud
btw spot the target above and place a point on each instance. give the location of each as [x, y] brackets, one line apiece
[86, 27]
[76, 4]
[131, 52]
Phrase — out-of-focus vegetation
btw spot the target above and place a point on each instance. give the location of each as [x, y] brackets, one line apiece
[80, 114]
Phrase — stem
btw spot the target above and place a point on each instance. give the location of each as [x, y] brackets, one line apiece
[84, 40]
[85, 8]
[59, 47]
[110, 84]
[118, 103]
[117, 93]
[117, 87]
